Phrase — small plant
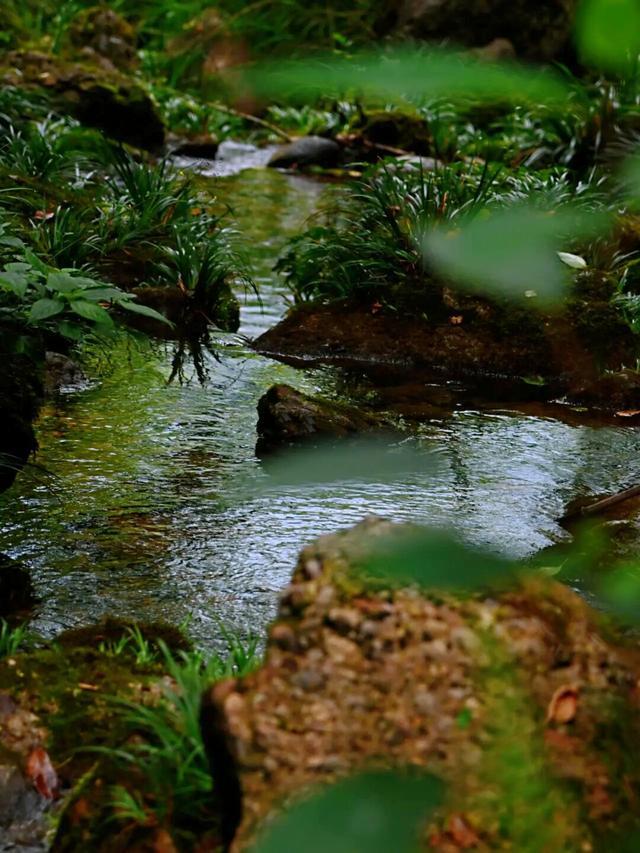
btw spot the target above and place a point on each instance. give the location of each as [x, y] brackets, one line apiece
[11, 639]
[60, 300]
[165, 753]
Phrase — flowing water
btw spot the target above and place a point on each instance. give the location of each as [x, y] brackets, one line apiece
[149, 500]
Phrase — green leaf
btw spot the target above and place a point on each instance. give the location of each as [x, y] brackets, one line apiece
[35, 262]
[11, 242]
[365, 460]
[435, 559]
[44, 308]
[15, 282]
[608, 33]
[70, 330]
[62, 282]
[91, 311]
[509, 252]
[378, 812]
[137, 308]
[101, 294]
[404, 73]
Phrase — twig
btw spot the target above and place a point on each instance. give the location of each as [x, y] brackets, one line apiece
[222, 108]
[603, 504]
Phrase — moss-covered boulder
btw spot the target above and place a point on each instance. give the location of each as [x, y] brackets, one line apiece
[98, 96]
[524, 701]
[288, 418]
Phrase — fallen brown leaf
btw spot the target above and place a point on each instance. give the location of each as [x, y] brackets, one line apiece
[563, 705]
[41, 772]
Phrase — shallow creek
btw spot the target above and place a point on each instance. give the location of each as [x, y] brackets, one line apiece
[146, 500]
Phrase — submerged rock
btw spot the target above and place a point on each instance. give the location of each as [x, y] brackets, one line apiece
[97, 96]
[202, 147]
[16, 590]
[356, 676]
[287, 417]
[307, 151]
[537, 30]
[62, 372]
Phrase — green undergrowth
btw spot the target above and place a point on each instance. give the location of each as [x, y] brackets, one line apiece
[121, 704]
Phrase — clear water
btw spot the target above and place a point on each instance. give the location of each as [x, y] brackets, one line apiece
[152, 505]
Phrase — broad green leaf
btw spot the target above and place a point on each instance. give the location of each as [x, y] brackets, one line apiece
[35, 262]
[101, 294]
[509, 252]
[62, 282]
[70, 330]
[44, 308]
[11, 242]
[15, 282]
[407, 73]
[435, 559]
[608, 33]
[376, 812]
[137, 308]
[91, 311]
[18, 266]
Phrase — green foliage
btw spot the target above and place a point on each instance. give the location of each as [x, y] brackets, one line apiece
[60, 300]
[11, 639]
[375, 811]
[167, 748]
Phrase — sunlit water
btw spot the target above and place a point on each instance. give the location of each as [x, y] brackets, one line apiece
[151, 502]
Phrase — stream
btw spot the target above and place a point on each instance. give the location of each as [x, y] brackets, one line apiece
[147, 500]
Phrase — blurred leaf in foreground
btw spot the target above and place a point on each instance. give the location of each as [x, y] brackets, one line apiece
[608, 33]
[377, 812]
[620, 589]
[375, 460]
[405, 73]
[511, 252]
[436, 559]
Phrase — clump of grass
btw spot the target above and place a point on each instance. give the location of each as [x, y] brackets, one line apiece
[11, 639]
[367, 244]
[164, 756]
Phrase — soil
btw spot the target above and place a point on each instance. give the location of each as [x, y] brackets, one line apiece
[505, 353]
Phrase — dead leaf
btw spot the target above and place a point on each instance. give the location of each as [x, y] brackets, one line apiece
[163, 842]
[84, 686]
[44, 215]
[461, 832]
[41, 772]
[628, 413]
[375, 308]
[563, 705]
[456, 319]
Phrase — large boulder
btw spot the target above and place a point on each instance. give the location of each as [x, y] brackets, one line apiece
[307, 151]
[98, 96]
[287, 417]
[20, 397]
[536, 30]
[527, 687]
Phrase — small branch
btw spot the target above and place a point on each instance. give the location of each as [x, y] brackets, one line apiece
[603, 504]
[222, 108]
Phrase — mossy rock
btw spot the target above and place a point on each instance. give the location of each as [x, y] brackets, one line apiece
[515, 697]
[99, 97]
[397, 129]
[105, 33]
